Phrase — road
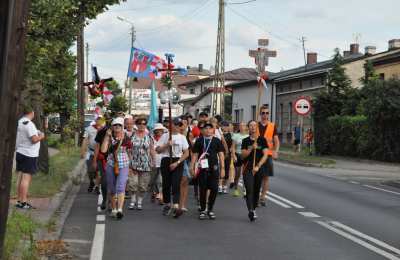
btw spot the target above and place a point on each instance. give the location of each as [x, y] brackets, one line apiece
[309, 216]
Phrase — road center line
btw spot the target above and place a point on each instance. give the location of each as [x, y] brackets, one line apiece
[295, 205]
[279, 203]
[99, 200]
[309, 214]
[101, 218]
[369, 238]
[376, 188]
[96, 252]
[359, 241]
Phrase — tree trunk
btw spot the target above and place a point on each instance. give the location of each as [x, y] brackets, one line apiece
[13, 20]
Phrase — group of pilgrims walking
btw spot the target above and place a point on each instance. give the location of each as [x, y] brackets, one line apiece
[126, 160]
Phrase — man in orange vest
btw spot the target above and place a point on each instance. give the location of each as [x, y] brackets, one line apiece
[268, 130]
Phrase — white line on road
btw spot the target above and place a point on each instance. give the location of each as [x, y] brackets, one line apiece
[359, 241]
[279, 203]
[98, 243]
[77, 241]
[286, 200]
[376, 188]
[369, 238]
[98, 209]
[354, 182]
[101, 218]
[309, 214]
[99, 200]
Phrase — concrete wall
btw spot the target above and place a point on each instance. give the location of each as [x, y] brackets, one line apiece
[355, 71]
[244, 97]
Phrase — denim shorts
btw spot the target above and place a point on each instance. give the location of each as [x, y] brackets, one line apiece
[186, 172]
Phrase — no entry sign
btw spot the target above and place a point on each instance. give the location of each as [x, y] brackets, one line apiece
[302, 106]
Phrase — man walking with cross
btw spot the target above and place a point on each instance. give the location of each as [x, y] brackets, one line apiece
[265, 128]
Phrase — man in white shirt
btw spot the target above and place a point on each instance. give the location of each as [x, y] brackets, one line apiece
[27, 153]
[172, 167]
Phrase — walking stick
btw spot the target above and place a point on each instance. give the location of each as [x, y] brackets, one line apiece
[257, 114]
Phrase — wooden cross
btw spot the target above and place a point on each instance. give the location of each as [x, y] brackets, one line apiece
[262, 55]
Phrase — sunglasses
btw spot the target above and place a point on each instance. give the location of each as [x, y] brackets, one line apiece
[142, 123]
[264, 113]
[118, 125]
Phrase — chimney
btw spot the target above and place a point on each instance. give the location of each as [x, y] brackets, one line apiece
[312, 58]
[370, 50]
[354, 48]
[394, 44]
[346, 54]
[200, 67]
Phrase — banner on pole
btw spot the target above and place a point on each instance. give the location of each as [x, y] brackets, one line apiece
[143, 64]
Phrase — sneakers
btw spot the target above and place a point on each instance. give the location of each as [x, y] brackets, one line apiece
[23, 205]
[132, 206]
[90, 188]
[211, 215]
[18, 204]
[178, 213]
[166, 210]
[251, 216]
[185, 210]
[203, 215]
[119, 214]
[255, 215]
[113, 213]
[236, 193]
[139, 206]
[263, 202]
[225, 190]
[220, 189]
[103, 205]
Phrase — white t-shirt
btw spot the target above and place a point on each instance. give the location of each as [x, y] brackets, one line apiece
[159, 156]
[179, 144]
[218, 133]
[27, 129]
[90, 134]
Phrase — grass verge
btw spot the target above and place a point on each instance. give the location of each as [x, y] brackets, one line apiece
[19, 242]
[46, 185]
[286, 153]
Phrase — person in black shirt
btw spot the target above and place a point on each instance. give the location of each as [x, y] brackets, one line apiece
[226, 129]
[252, 174]
[207, 165]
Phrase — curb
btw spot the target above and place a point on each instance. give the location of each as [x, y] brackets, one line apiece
[300, 163]
[57, 201]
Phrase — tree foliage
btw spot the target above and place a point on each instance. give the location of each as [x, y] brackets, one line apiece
[118, 104]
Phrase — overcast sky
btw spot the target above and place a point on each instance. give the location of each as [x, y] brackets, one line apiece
[188, 28]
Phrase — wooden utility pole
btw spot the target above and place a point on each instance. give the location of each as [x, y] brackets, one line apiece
[80, 91]
[218, 93]
[13, 28]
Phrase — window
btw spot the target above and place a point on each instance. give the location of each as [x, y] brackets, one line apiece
[253, 112]
[382, 76]
[191, 91]
[237, 115]
[280, 119]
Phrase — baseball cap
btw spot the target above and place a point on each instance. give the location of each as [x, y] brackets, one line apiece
[203, 114]
[177, 121]
[118, 121]
[158, 126]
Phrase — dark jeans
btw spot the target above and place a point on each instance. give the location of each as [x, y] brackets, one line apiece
[253, 186]
[208, 180]
[103, 179]
[171, 180]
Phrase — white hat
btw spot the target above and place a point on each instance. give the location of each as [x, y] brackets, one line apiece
[158, 126]
[118, 121]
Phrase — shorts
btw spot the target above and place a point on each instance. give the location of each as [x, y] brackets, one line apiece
[296, 142]
[138, 182]
[26, 164]
[186, 172]
[268, 167]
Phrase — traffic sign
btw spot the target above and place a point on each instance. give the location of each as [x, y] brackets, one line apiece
[302, 106]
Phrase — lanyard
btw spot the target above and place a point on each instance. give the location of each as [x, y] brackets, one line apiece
[208, 146]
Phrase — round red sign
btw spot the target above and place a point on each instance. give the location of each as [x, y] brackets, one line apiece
[302, 106]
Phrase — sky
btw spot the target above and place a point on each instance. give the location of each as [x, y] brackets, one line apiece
[188, 28]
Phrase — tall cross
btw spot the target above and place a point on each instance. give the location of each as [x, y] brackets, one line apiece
[262, 55]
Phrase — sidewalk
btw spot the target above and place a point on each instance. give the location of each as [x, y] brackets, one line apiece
[346, 168]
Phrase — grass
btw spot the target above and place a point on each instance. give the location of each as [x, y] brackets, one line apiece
[46, 185]
[286, 153]
[19, 242]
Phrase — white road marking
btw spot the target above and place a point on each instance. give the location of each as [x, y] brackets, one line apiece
[101, 218]
[359, 241]
[279, 203]
[99, 200]
[354, 182]
[376, 188]
[98, 209]
[369, 238]
[96, 252]
[309, 214]
[286, 200]
[77, 241]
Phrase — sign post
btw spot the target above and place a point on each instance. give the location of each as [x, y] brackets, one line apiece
[302, 106]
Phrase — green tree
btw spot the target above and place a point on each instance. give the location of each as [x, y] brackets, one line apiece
[118, 104]
[114, 87]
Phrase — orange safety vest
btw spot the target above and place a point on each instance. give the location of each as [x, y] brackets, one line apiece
[269, 136]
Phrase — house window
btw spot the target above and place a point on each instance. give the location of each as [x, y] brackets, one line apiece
[280, 119]
[237, 115]
[253, 112]
[191, 91]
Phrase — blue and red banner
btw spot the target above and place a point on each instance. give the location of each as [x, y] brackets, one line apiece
[143, 64]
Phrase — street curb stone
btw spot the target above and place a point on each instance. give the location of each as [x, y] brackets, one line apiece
[300, 163]
[57, 201]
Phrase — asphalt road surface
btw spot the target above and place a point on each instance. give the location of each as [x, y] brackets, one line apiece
[308, 216]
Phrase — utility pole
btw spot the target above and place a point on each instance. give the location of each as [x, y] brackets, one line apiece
[218, 93]
[87, 62]
[80, 60]
[133, 39]
[303, 41]
[13, 28]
